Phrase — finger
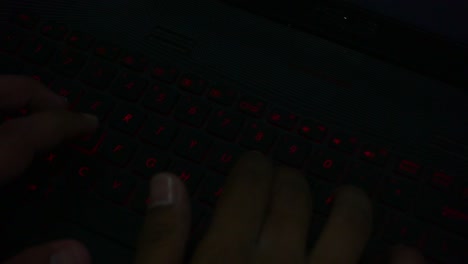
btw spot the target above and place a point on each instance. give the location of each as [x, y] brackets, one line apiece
[58, 252]
[167, 224]
[22, 137]
[347, 231]
[406, 255]
[19, 91]
[241, 209]
[284, 235]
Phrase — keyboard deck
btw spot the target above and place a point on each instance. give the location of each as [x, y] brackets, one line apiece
[156, 116]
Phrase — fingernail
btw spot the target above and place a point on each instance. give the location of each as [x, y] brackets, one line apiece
[66, 256]
[161, 193]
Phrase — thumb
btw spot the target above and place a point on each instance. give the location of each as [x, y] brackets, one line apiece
[58, 252]
[167, 224]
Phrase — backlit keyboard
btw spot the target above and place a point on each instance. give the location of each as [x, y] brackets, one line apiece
[156, 116]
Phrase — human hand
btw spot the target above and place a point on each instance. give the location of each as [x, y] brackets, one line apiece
[262, 217]
[49, 124]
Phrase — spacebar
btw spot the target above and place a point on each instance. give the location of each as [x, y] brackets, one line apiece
[103, 217]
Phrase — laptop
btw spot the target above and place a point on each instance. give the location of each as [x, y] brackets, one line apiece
[370, 93]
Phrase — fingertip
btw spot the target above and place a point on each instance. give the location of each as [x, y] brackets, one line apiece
[405, 255]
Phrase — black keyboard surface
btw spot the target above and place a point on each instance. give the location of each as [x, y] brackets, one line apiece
[156, 116]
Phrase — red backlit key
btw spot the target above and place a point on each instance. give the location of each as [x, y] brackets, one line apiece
[398, 192]
[96, 104]
[438, 207]
[149, 161]
[222, 94]
[118, 148]
[443, 181]
[408, 168]
[375, 154]
[225, 124]
[190, 174]
[193, 83]
[343, 142]
[327, 164]
[26, 20]
[107, 50]
[312, 130]
[164, 72]
[258, 136]
[115, 185]
[40, 74]
[50, 160]
[192, 111]
[161, 98]
[252, 106]
[135, 61]
[364, 176]
[10, 40]
[141, 199]
[38, 51]
[402, 229]
[69, 62]
[292, 150]
[127, 118]
[80, 40]
[193, 145]
[446, 248]
[213, 188]
[223, 156]
[83, 172]
[98, 74]
[67, 88]
[159, 131]
[324, 196]
[282, 118]
[90, 142]
[54, 30]
[129, 86]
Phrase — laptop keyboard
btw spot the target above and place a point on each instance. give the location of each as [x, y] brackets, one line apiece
[157, 117]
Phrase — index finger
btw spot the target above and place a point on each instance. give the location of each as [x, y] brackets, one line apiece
[18, 91]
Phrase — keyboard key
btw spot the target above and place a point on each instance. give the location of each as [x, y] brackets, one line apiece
[258, 136]
[222, 94]
[11, 39]
[446, 248]
[107, 50]
[282, 118]
[161, 98]
[252, 106]
[344, 142]
[398, 192]
[54, 30]
[364, 176]
[313, 130]
[193, 145]
[292, 150]
[26, 20]
[192, 111]
[213, 188]
[324, 196]
[437, 207]
[223, 156]
[327, 165]
[99, 74]
[193, 83]
[91, 142]
[159, 131]
[402, 229]
[118, 148]
[225, 124]
[40, 74]
[375, 154]
[82, 173]
[129, 86]
[67, 88]
[127, 118]
[115, 185]
[408, 168]
[80, 40]
[96, 104]
[443, 181]
[150, 161]
[135, 61]
[141, 199]
[38, 51]
[190, 174]
[164, 72]
[69, 62]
